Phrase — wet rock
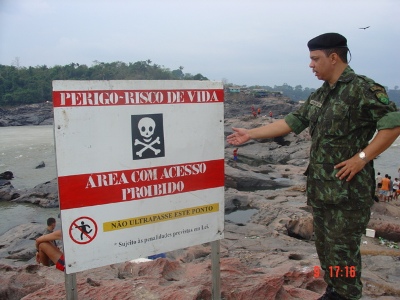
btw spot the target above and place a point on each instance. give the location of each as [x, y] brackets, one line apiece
[7, 175]
[7, 191]
[40, 165]
[44, 195]
[250, 180]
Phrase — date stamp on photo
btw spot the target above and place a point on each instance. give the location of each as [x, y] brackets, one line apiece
[337, 271]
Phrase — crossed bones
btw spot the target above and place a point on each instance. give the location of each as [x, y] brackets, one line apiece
[148, 146]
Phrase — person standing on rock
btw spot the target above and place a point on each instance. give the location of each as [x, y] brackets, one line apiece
[235, 156]
[342, 116]
[385, 189]
[396, 187]
[378, 181]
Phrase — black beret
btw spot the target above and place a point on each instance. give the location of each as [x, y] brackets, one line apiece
[327, 41]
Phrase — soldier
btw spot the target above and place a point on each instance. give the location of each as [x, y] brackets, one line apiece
[342, 116]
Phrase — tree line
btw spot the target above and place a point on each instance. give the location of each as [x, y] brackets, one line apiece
[299, 93]
[296, 93]
[21, 85]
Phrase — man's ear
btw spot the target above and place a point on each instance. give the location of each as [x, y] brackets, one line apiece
[334, 58]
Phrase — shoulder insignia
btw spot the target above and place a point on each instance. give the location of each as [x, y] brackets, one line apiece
[376, 88]
[382, 97]
[380, 93]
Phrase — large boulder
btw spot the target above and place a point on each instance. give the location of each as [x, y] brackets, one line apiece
[385, 220]
[17, 246]
[248, 180]
[7, 175]
[44, 195]
[302, 228]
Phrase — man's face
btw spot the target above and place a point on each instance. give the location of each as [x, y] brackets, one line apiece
[53, 225]
[321, 65]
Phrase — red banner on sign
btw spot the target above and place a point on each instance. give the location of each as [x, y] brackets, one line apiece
[118, 186]
[135, 97]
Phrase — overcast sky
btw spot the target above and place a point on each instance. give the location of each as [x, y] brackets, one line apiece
[242, 42]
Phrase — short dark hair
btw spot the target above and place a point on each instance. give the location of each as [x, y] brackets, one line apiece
[50, 221]
[341, 52]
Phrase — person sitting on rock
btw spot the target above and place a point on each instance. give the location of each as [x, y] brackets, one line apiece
[47, 251]
[51, 225]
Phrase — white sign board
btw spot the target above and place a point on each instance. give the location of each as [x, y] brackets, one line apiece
[140, 168]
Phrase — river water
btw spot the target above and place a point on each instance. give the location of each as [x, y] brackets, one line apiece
[25, 147]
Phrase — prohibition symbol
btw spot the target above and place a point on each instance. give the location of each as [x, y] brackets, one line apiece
[83, 230]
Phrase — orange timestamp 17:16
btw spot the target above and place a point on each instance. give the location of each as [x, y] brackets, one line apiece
[337, 271]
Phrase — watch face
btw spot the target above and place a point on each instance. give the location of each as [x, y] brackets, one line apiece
[362, 155]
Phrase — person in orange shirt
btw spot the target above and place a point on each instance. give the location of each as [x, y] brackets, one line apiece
[384, 192]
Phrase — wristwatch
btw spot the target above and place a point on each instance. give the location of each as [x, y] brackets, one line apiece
[363, 156]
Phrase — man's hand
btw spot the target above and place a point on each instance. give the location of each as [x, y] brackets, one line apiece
[349, 168]
[239, 137]
[37, 258]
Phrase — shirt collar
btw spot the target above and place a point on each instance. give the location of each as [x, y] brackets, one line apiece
[347, 75]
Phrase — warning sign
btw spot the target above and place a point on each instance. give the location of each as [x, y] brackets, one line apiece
[83, 230]
[140, 167]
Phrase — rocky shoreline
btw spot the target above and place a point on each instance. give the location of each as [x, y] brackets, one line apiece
[270, 256]
[33, 114]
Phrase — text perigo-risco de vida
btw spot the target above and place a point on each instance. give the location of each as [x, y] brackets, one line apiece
[100, 98]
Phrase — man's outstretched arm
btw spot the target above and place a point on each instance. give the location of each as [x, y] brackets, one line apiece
[241, 135]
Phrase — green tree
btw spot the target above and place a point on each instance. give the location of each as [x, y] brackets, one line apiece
[34, 84]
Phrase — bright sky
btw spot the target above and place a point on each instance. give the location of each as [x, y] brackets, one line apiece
[242, 42]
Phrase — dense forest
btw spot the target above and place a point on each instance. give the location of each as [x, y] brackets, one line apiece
[21, 85]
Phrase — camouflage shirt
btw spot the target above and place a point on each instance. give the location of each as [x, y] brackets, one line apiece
[342, 119]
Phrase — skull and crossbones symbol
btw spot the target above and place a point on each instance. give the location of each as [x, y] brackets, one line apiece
[146, 128]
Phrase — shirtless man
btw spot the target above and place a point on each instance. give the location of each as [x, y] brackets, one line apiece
[47, 251]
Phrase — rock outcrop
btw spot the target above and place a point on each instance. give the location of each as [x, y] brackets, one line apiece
[240, 105]
[7, 191]
[44, 195]
[33, 114]
[271, 255]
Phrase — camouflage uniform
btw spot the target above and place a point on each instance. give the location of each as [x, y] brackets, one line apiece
[342, 119]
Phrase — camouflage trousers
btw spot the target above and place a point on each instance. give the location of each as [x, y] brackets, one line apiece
[338, 236]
